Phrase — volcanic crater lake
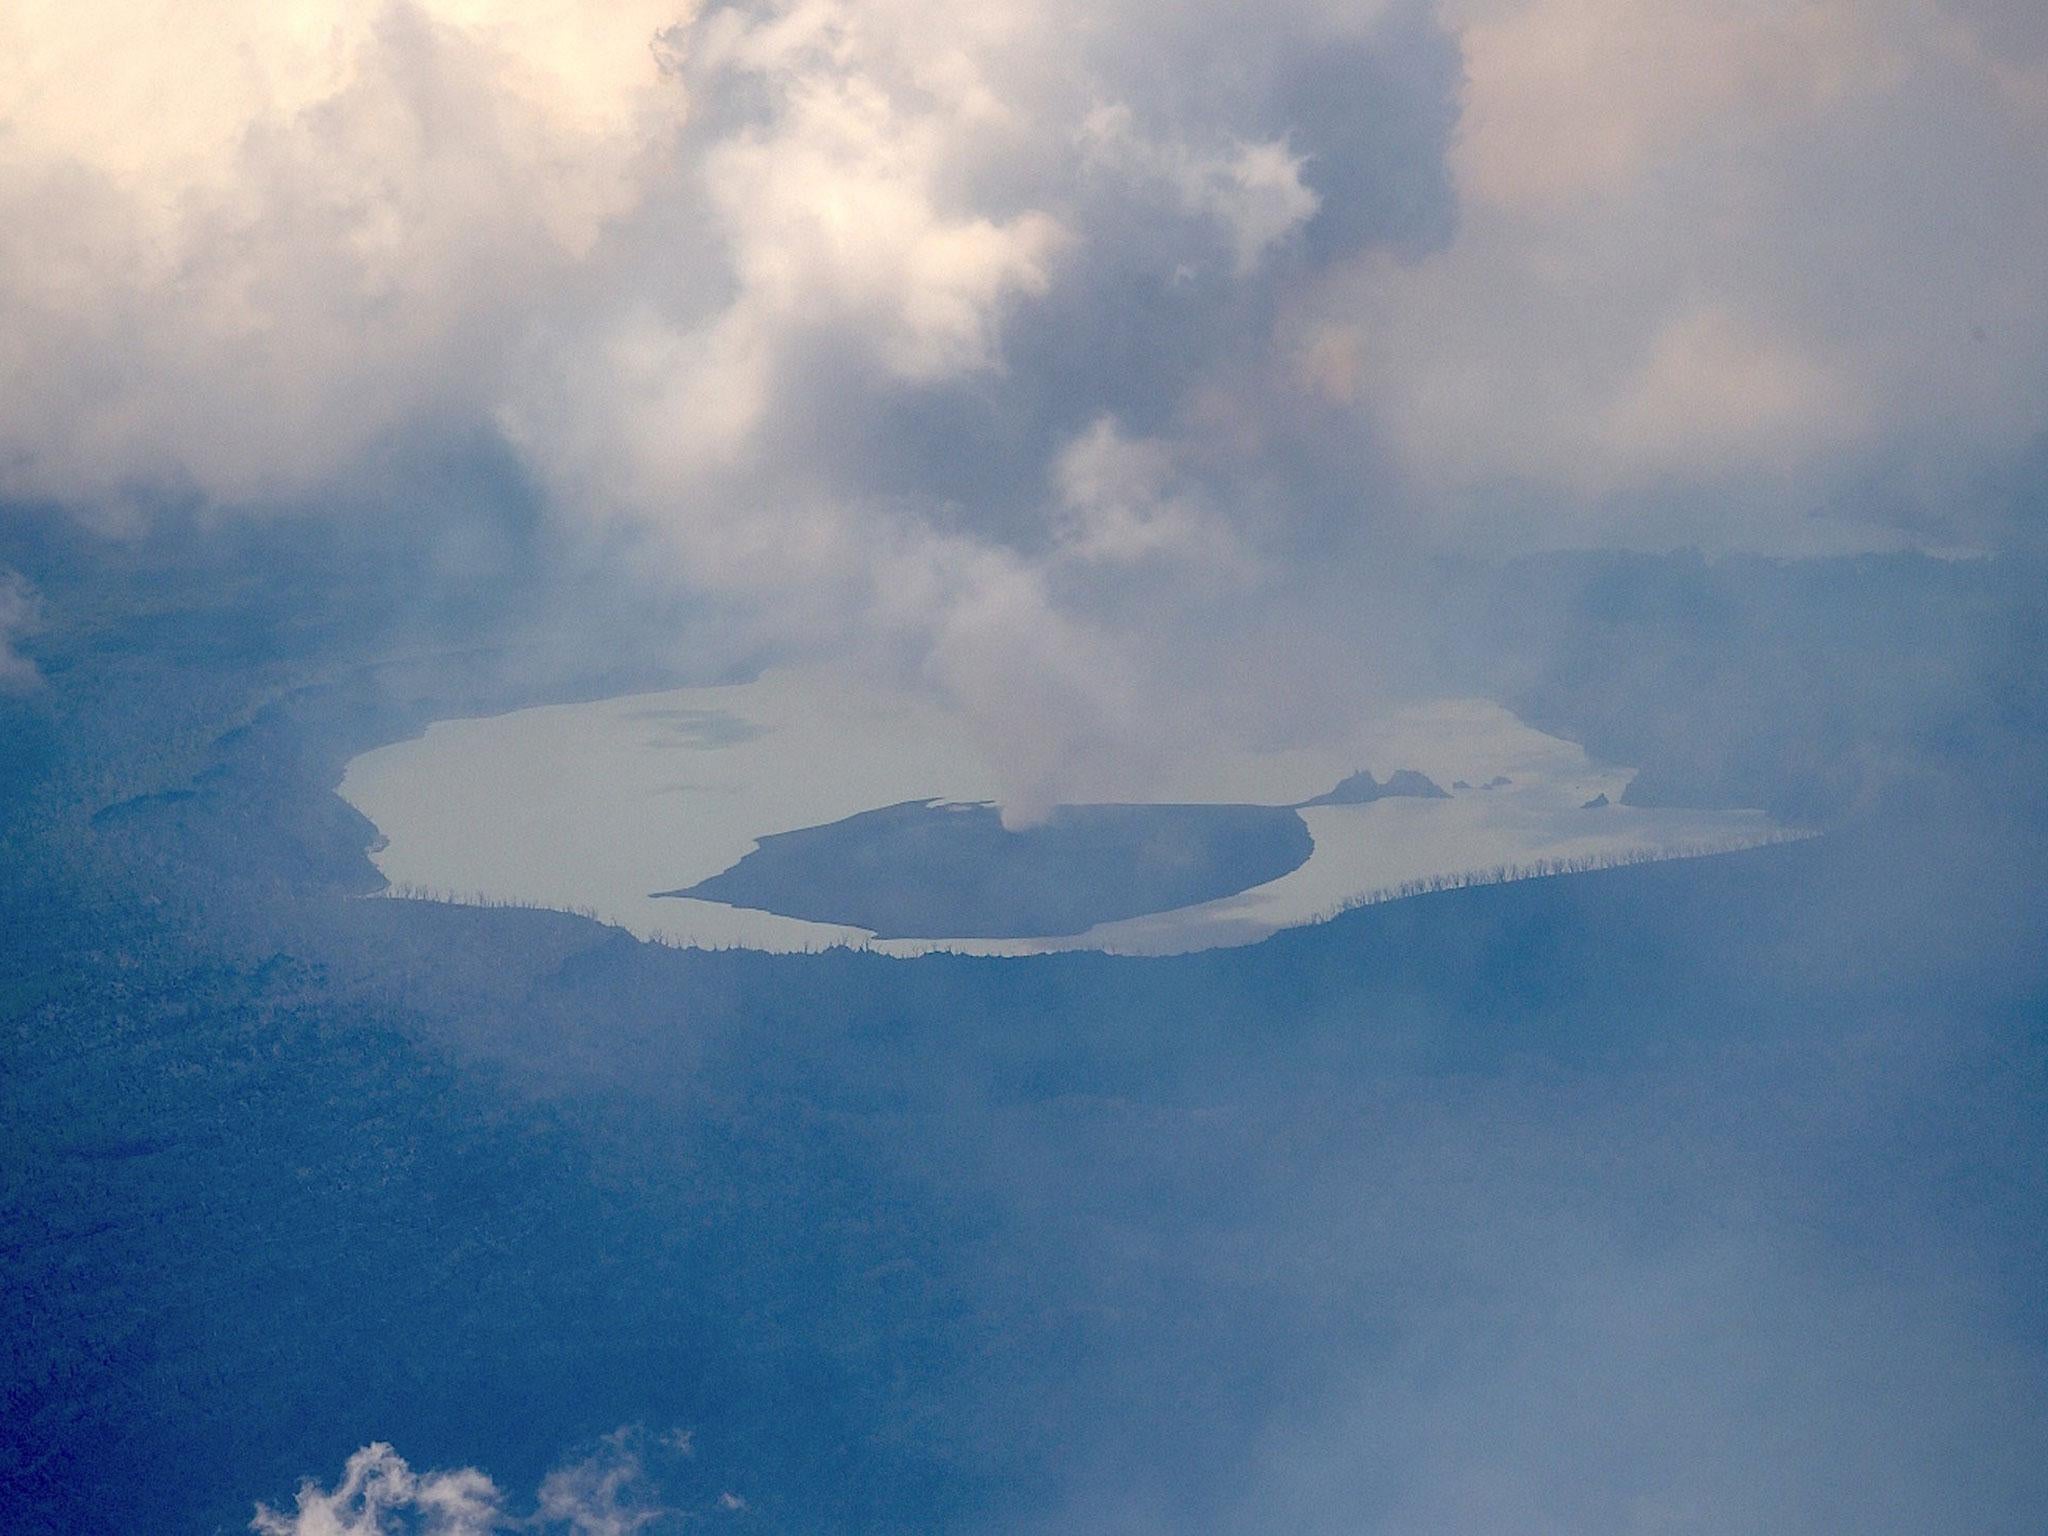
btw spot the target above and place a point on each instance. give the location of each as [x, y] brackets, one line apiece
[809, 808]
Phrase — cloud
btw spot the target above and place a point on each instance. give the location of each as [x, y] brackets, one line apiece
[378, 1493]
[1717, 268]
[817, 305]
[235, 256]
[1120, 502]
[1253, 192]
[603, 1495]
[896, 326]
[884, 418]
[1570, 99]
[609, 1492]
[1660, 1394]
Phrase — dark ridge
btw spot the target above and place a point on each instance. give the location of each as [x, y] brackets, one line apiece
[1362, 789]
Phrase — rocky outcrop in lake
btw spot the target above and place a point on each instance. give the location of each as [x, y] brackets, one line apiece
[1362, 788]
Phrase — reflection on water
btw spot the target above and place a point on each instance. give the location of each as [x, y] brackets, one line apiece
[597, 806]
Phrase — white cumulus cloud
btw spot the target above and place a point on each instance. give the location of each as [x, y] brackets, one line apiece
[609, 1492]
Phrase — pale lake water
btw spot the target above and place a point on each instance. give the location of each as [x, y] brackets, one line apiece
[594, 807]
